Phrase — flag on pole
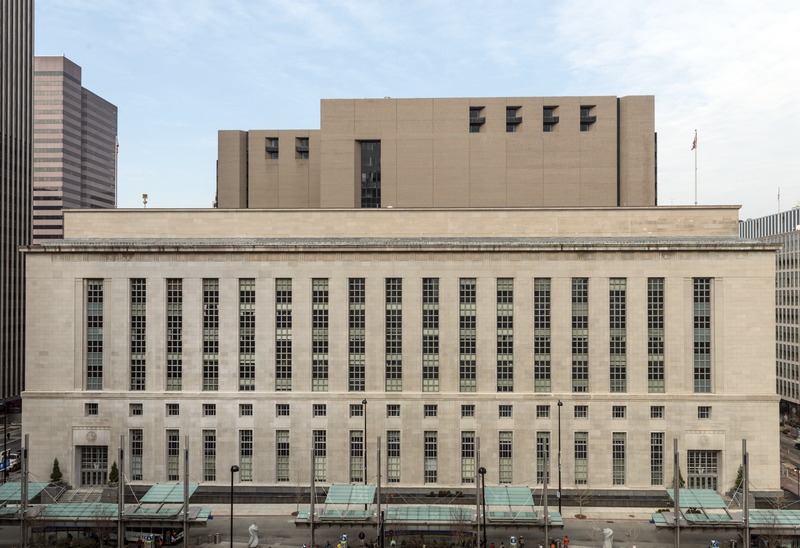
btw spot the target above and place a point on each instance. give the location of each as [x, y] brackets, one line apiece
[694, 143]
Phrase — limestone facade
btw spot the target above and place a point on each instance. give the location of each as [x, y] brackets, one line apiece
[402, 347]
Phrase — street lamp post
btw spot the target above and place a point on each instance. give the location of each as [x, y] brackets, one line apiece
[234, 469]
[482, 472]
[560, 404]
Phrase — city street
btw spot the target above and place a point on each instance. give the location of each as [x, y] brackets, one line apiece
[277, 529]
[631, 527]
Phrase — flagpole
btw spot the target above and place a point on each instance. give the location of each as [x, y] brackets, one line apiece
[695, 167]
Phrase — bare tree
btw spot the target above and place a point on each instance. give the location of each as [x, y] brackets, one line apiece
[773, 535]
[582, 495]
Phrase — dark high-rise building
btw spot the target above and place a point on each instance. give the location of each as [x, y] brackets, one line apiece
[16, 121]
[75, 132]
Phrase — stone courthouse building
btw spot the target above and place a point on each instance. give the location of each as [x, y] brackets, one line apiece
[310, 334]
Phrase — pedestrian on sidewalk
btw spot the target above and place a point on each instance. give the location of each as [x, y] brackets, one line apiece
[566, 541]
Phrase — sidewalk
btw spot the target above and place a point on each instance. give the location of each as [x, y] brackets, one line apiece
[284, 512]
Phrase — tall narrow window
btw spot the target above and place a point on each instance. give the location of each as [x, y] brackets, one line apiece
[302, 148]
[174, 334]
[320, 439]
[137, 453]
[618, 458]
[356, 456]
[209, 455]
[549, 118]
[542, 457]
[513, 119]
[319, 334]
[467, 335]
[505, 335]
[587, 117]
[272, 148]
[283, 334]
[173, 455]
[431, 448]
[282, 455]
[138, 287]
[617, 343]
[657, 458]
[702, 334]
[393, 456]
[505, 462]
[247, 335]
[245, 455]
[430, 334]
[581, 458]
[370, 174]
[210, 334]
[541, 335]
[394, 334]
[655, 335]
[357, 345]
[468, 457]
[476, 119]
[94, 334]
[580, 334]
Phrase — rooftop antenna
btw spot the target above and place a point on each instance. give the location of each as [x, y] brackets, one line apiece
[144, 200]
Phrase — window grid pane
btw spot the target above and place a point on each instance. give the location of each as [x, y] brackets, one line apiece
[319, 334]
[655, 335]
[174, 334]
[618, 458]
[580, 334]
[94, 334]
[431, 464]
[138, 358]
[245, 455]
[137, 454]
[581, 458]
[282, 455]
[357, 344]
[542, 456]
[356, 456]
[505, 335]
[541, 335]
[393, 456]
[247, 335]
[173, 455]
[468, 457]
[617, 344]
[657, 458]
[320, 439]
[211, 334]
[467, 338]
[394, 334]
[283, 334]
[702, 335]
[430, 334]
[505, 461]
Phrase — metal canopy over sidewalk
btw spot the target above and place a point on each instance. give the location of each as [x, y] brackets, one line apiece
[505, 505]
[161, 506]
[510, 504]
[705, 509]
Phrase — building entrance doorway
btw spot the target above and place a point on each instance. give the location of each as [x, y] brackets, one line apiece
[703, 469]
[94, 465]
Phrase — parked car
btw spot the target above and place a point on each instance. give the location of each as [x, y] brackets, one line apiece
[11, 461]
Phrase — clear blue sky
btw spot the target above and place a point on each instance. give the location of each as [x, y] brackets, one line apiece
[179, 70]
